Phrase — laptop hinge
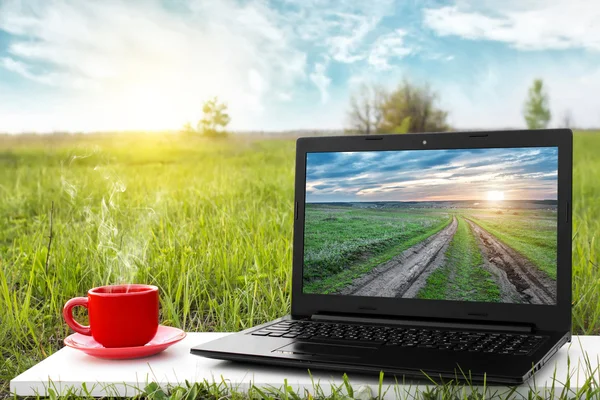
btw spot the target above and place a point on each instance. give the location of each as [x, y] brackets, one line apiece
[433, 324]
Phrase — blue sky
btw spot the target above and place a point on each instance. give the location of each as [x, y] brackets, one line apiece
[433, 175]
[121, 64]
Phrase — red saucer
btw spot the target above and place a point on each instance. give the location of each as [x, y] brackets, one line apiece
[165, 337]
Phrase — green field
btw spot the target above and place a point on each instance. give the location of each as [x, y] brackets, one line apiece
[531, 233]
[342, 243]
[462, 277]
[345, 241]
[209, 222]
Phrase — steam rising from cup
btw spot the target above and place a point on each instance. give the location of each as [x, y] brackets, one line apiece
[122, 251]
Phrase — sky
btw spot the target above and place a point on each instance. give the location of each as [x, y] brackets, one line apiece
[285, 65]
[433, 175]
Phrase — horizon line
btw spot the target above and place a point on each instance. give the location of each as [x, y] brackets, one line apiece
[247, 131]
[425, 201]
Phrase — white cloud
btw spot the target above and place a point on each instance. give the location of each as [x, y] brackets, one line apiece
[348, 48]
[284, 96]
[20, 68]
[386, 47]
[144, 66]
[150, 64]
[321, 80]
[495, 98]
[558, 24]
[498, 90]
[258, 86]
[47, 78]
[343, 28]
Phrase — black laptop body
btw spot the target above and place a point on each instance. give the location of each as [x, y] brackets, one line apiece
[443, 254]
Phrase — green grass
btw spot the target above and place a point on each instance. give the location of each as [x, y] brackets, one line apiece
[586, 233]
[531, 233]
[461, 277]
[343, 243]
[210, 222]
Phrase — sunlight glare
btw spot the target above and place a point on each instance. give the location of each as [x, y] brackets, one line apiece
[495, 195]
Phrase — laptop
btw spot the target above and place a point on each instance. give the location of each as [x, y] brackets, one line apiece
[446, 255]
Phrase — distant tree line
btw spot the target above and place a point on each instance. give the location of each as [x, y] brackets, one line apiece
[414, 108]
[408, 108]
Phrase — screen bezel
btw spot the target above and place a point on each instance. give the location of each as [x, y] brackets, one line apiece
[544, 317]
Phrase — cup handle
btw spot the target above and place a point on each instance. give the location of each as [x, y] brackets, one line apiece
[68, 315]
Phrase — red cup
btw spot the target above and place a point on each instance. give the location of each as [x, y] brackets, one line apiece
[120, 315]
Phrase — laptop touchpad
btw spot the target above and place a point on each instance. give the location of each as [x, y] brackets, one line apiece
[329, 350]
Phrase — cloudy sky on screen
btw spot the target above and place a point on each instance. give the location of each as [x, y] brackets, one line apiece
[432, 175]
[149, 64]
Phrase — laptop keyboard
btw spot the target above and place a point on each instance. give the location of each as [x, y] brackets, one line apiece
[407, 337]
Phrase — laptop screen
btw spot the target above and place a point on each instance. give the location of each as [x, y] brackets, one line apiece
[463, 224]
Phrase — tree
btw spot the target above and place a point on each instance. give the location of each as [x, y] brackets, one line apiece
[412, 108]
[365, 115]
[536, 112]
[409, 108]
[567, 119]
[215, 118]
[187, 129]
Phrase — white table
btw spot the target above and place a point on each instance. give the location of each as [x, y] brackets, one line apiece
[69, 368]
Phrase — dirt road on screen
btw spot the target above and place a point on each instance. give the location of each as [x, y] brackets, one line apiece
[407, 272]
[519, 280]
